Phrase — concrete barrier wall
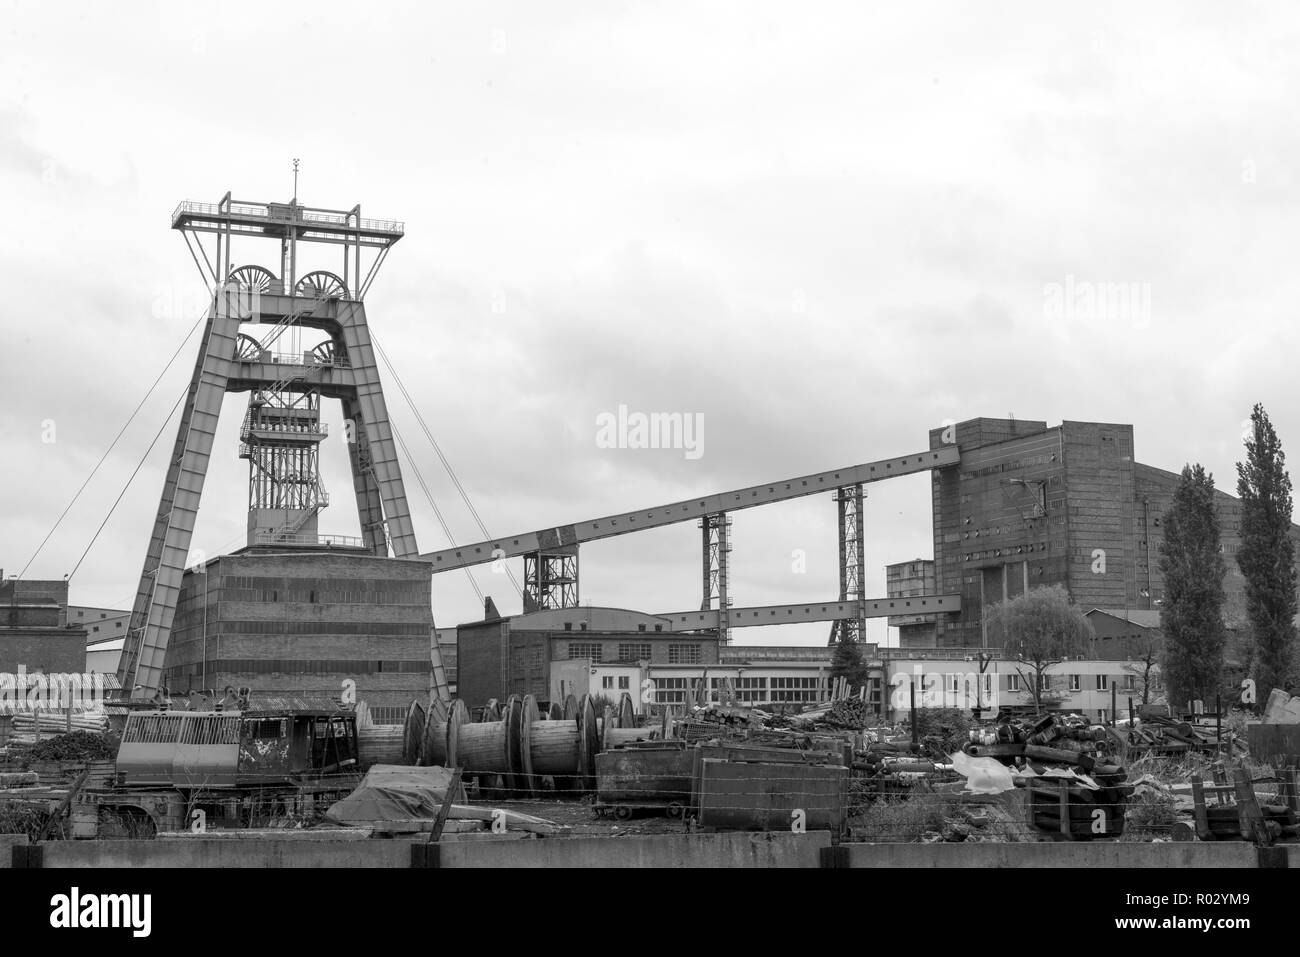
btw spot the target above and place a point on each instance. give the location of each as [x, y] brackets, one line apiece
[1054, 854]
[738, 849]
[7, 841]
[776, 849]
[225, 852]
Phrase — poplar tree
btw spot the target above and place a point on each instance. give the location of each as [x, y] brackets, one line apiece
[1267, 554]
[1192, 566]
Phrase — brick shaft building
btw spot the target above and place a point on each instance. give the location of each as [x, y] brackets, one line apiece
[1031, 506]
[301, 621]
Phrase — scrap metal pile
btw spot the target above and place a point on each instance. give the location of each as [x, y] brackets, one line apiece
[1162, 735]
[844, 714]
[1066, 765]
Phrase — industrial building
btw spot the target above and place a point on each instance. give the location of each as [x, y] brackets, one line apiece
[530, 653]
[1032, 506]
[301, 621]
[35, 633]
[910, 580]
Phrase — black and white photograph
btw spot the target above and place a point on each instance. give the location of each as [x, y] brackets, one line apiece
[674, 436]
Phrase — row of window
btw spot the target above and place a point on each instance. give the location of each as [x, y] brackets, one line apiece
[582, 626]
[1075, 682]
[321, 628]
[748, 690]
[679, 652]
[299, 666]
[337, 596]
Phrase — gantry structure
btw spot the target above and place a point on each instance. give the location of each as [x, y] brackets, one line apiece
[554, 552]
[281, 431]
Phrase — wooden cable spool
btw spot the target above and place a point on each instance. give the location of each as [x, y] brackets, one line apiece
[433, 747]
[555, 712]
[457, 718]
[413, 733]
[588, 742]
[626, 712]
[570, 709]
[554, 749]
[523, 747]
[493, 710]
[529, 715]
[511, 714]
[481, 748]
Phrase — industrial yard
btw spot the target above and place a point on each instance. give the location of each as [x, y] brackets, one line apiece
[297, 689]
[651, 438]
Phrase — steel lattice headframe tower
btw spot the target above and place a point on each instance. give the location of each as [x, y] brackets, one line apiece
[282, 428]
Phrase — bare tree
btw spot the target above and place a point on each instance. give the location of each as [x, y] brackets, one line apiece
[1144, 665]
[1040, 628]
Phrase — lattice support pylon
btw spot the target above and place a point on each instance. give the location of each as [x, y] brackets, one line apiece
[551, 578]
[848, 501]
[716, 550]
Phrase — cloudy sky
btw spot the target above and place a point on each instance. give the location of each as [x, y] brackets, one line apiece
[825, 228]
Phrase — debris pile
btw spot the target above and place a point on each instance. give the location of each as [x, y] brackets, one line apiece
[77, 746]
[1163, 735]
[25, 725]
[850, 714]
[1064, 763]
[844, 714]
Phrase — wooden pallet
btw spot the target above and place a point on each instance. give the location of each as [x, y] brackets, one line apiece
[1243, 817]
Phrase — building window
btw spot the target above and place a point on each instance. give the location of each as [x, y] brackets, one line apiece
[633, 652]
[794, 690]
[1130, 682]
[607, 681]
[623, 683]
[1102, 685]
[681, 653]
[670, 690]
[1074, 682]
[1013, 682]
[591, 650]
[1044, 682]
[751, 690]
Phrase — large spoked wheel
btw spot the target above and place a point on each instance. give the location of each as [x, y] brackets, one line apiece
[247, 349]
[253, 278]
[321, 284]
[328, 354]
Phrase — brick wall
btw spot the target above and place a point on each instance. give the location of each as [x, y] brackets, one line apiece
[317, 620]
[61, 650]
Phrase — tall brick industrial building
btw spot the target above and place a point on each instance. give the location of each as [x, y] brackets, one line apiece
[1069, 505]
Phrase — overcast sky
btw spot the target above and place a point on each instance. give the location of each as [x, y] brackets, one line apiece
[826, 228]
